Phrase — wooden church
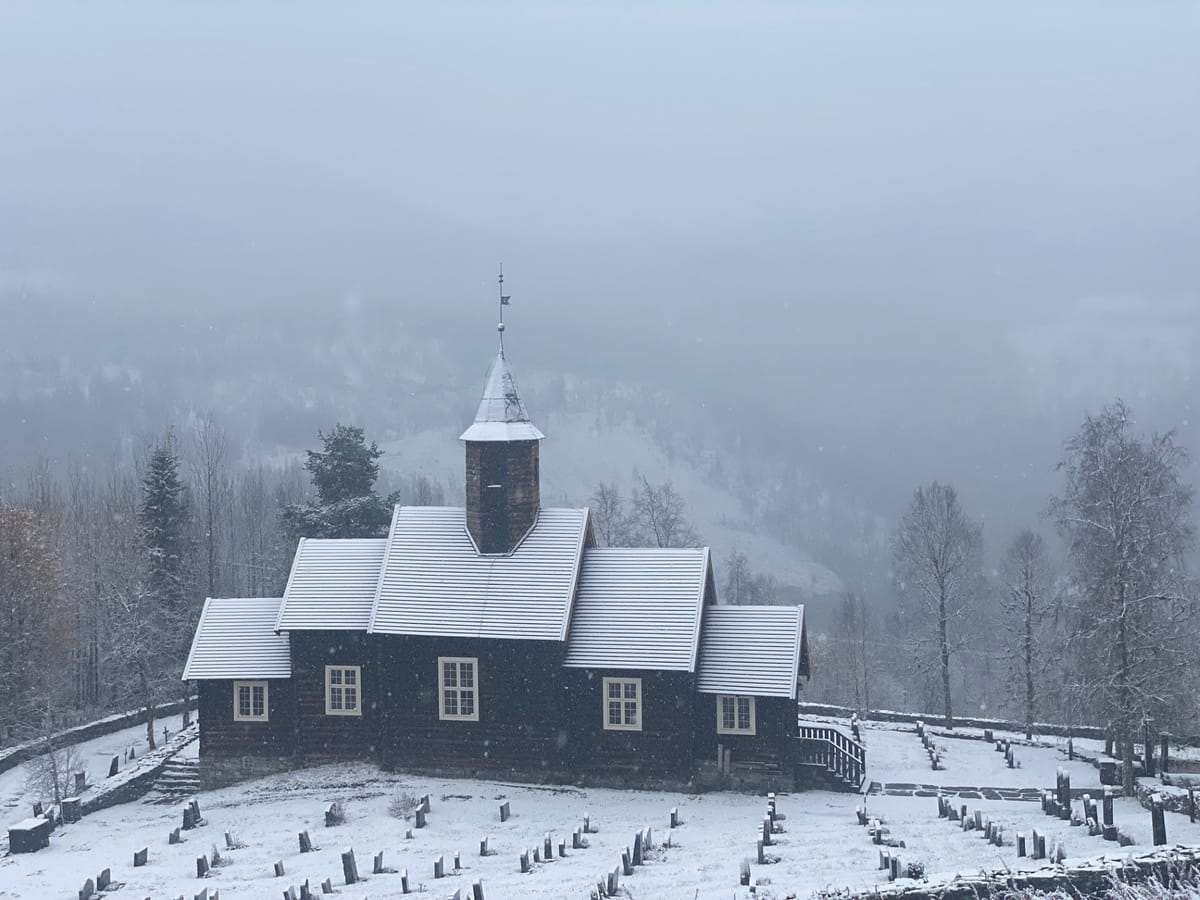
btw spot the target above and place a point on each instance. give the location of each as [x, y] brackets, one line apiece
[497, 640]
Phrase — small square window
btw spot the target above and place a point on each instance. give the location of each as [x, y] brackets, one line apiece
[623, 704]
[250, 701]
[735, 714]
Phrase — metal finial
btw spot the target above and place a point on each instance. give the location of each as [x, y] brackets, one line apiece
[504, 298]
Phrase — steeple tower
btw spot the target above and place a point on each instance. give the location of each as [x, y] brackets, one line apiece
[502, 479]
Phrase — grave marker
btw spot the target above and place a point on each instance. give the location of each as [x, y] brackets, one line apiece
[1158, 821]
[504, 812]
[305, 842]
[88, 889]
[349, 867]
[140, 857]
[201, 866]
[103, 880]
[439, 867]
[744, 874]
[114, 766]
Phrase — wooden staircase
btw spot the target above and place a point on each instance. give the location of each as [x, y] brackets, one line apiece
[826, 758]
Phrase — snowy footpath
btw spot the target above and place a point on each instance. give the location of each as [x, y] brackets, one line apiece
[822, 846]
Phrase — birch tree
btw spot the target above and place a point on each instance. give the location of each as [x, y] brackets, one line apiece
[1027, 602]
[1125, 514]
[936, 550]
[660, 515]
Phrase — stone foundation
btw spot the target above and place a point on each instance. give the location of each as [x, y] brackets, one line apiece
[218, 772]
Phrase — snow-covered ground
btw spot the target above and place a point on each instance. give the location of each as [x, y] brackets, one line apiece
[823, 847]
[17, 794]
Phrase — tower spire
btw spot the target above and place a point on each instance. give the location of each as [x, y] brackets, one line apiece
[504, 298]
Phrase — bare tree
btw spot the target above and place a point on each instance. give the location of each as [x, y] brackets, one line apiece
[852, 623]
[211, 479]
[1126, 516]
[738, 577]
[660, 515]
[936, 550]
[1027, 601]
[609, 516]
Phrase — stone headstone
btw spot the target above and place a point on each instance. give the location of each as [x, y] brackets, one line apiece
[140, 857]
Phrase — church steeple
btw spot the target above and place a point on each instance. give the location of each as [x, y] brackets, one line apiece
[502, 477]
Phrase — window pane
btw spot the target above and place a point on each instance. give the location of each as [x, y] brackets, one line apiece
[727, 717]
[631, 690]
[243, 700]
[450, 701]
[335, 676]
[466, 702]
[630, 712]
[351, 676]
[351, 698]
[259, 700]
[335, 698]
[450, 675]
[614, 712]
[466, 675]
[744, 713]
[614, 689]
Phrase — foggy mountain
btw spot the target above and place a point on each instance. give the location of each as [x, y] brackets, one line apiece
[799, 260]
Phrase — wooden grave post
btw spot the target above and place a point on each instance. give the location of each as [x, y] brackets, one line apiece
[140, 857]
[1158, 820]
[504, 812]
[439, 867]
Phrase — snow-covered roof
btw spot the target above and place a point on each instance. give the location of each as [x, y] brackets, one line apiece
[501, 415]
[332, 584]
[638, 608]
[236, 639]
[751, 650]
[435, 582]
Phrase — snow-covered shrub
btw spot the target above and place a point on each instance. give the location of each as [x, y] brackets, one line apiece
[402, 804]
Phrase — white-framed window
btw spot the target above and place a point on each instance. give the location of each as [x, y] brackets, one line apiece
[622, 704]
[250, 701]
[458, 688]
[343, 690]
[735, 714]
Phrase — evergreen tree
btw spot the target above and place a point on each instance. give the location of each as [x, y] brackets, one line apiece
[163, 517]
[344, 474]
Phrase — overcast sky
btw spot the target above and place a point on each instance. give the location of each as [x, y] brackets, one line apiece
[921, 237]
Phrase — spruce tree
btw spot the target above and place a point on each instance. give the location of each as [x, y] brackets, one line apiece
[344, 473]
[163, 518]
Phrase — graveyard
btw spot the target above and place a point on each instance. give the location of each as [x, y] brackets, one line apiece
[389, 833]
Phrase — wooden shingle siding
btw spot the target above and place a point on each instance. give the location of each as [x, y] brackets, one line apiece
[221, 736]
[520, 732]
[660, 753]
[515, 467]
[323, 737]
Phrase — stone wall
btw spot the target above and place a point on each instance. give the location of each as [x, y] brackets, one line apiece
[12, 757]
[887, 715]
[1086, 880]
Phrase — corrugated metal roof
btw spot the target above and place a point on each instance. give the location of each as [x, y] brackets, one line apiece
[332, 584]
[750, 650]
[434, 581]
[638, 608]
[501, 415]
[236, 639]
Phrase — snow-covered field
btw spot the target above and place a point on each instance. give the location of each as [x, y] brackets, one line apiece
[822, 847]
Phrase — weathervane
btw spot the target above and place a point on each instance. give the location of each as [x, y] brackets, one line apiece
[504, 298]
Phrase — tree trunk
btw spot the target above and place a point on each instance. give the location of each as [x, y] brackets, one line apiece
[945, 648]
[1028, 666]
[1127, 764]
[1127, 736]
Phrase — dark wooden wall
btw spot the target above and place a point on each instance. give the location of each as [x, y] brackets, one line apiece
[660, 752]
[775, 725]
[519, 460]
[221, 736]
[521, 729]
[323, 738]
